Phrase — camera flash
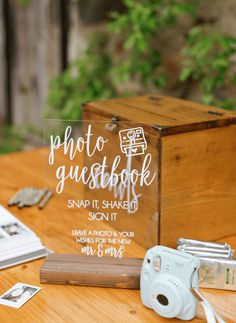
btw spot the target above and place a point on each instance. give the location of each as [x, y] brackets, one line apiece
[157, 263]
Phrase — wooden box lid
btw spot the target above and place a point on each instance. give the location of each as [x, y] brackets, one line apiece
[168, 115]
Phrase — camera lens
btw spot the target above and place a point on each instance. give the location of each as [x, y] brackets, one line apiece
[165, 298]
[131, 134]
[162, 299]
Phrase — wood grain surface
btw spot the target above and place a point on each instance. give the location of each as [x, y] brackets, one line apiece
[167, 114]
[198, 178]
[58, 303]
[67, 269]
[194, 150]
[29, 83]
[3, 96]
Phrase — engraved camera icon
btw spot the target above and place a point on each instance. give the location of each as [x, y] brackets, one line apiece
[132, 141]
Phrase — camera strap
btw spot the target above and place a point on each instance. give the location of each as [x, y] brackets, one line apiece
[210, 313]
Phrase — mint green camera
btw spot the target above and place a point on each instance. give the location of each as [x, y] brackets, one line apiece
[167, 277]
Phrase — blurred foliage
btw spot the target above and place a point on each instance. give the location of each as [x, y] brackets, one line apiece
[139, 27]
[10, 140]
[15, 138]
[24, 2]
[207, 58]
[85, 79]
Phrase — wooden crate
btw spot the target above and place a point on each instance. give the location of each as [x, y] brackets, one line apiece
[196, 159]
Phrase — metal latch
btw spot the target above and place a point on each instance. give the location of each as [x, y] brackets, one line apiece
[113, 125]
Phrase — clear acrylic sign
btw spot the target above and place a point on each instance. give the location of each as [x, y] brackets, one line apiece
[105, 179]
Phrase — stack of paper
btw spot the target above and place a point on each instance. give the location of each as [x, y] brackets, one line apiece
[18, 243]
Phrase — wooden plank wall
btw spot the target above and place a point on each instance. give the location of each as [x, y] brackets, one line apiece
[37, 41]
[2, 67]
[36, 58]
[37, 55]
[76, 36]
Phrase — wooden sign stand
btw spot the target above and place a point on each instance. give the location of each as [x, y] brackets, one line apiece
[72, 269]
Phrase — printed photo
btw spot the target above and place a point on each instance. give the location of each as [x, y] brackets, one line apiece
[12, 229]
[18, 295]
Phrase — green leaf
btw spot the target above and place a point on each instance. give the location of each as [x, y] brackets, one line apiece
[185, 73]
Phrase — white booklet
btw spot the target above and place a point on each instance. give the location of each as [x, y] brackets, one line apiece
[18, 243]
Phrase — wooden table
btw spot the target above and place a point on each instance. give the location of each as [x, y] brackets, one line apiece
[56, 303]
